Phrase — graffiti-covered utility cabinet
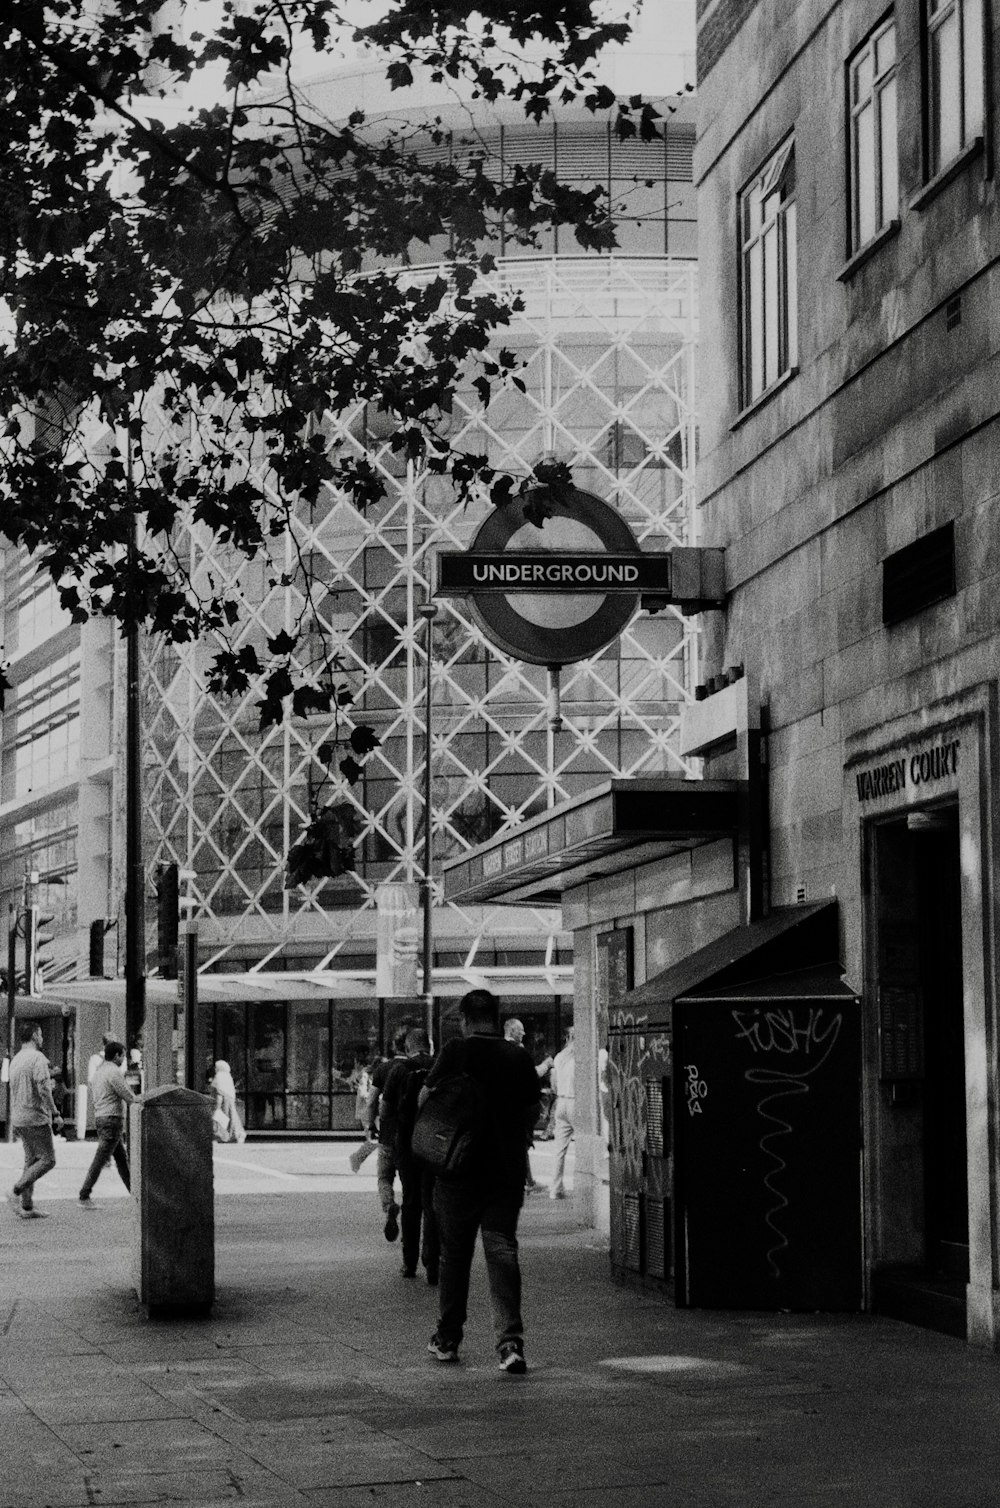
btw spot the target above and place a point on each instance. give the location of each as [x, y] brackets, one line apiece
[640, 1161]
[735, 1082]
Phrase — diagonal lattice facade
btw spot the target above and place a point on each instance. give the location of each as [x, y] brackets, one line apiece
[608, 350]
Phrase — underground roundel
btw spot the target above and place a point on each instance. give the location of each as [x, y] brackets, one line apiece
[553, 594]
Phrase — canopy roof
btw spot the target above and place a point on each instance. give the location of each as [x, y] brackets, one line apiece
[793, 952]
[615, 826]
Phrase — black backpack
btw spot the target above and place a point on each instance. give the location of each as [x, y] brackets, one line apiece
[451, 1131]
[406, 1110]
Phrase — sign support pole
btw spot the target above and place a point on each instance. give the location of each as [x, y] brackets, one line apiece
[428, 611]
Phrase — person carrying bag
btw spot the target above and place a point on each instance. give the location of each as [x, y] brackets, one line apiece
[480, 1100]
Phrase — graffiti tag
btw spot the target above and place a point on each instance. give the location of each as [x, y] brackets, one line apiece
[695, 1089]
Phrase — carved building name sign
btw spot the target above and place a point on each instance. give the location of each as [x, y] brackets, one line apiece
[910, 771]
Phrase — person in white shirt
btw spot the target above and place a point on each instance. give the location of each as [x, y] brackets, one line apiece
[111, 1094]
[97, 1058]
[564, 1084]
[513, 1031]
[224, 1086]
[33, 1117]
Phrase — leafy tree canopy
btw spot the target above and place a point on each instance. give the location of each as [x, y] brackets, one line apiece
[238, 264]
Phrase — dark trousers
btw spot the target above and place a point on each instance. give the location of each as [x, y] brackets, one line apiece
[109, 1145]
[462, 1212]
[417, 1222]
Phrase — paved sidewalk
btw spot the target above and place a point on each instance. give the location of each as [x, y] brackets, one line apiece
[311, 1385]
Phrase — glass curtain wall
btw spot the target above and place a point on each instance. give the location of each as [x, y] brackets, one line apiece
[608, 347]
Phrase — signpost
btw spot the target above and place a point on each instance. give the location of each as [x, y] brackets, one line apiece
[555, 592]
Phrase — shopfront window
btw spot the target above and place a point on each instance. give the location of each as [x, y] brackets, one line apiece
[266, 1068]
[307, 1101]
[230, 1044]
[296, 1063]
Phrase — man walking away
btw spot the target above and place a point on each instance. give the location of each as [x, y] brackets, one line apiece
[33, 1116]
[489, 1196]
[564, 1084]
[111, 1095]
[381, 1125]
[403, 1083]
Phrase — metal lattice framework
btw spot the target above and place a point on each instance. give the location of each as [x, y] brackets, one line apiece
[608, 351]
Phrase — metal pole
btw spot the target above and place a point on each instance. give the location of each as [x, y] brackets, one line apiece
[428, 611]
[135, 919]
[9, 1045]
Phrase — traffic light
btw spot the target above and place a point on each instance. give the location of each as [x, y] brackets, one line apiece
[97, 932]
[37, 941]
[167, 914]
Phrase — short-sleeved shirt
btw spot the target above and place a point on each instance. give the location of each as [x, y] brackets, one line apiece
[512, 1094]
[31, 1102]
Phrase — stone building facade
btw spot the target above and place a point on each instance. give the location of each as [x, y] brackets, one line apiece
[848, 464]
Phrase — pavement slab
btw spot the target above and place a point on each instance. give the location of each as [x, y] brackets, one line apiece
[310, 1383]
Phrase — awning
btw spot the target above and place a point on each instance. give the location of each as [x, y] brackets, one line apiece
[319, 985]
[38, 1008]
[213, 989]
[615, 826]
[794, 952]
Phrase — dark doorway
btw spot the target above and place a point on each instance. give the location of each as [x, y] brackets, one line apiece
[922, 1039]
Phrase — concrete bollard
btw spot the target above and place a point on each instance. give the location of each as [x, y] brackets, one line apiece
[170, 1134]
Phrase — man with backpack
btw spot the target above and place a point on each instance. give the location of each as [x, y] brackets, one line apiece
[498, 1084]
[403, 1084]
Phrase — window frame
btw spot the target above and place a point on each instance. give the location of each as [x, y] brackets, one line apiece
[879, 85]
[971, 106]
[768, 353]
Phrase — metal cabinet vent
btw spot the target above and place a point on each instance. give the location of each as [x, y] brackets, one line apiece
[657, 1248]
[632, 1230]
[918, 575]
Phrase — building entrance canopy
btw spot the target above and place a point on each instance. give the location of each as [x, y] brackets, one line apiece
[792, 952]
[616, 826]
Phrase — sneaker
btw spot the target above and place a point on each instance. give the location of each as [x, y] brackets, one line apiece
[444, 1350]
[407, 1272]
[557, 1193]
[512, 1358]
[14, 1200]
[432, 1275]
[34, 1214]
[392, 1222]
[85, 1201]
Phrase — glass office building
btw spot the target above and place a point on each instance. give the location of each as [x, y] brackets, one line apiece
[607, 344]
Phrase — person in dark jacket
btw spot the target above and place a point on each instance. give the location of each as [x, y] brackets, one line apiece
[403, 1083]
[488, 1198]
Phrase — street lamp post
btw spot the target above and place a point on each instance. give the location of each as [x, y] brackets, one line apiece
[428, 611]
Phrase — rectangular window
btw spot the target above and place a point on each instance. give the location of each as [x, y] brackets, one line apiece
[954, 78]
[47, 725]
[874, 163]
[768, 266]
